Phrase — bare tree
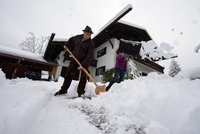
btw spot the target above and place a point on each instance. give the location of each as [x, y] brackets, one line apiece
[34, 44]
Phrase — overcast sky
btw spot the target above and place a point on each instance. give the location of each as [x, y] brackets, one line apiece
[176, 22]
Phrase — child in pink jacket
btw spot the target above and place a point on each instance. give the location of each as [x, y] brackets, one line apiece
[120, 69]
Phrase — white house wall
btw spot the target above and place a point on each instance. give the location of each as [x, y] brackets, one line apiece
[107, 60]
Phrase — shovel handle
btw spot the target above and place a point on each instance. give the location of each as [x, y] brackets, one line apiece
[91, 78]
[86, 72]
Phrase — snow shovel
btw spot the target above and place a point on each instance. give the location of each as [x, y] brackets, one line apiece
[98, 89]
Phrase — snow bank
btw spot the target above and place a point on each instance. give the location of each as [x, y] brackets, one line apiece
[156, 104]
[160, 104]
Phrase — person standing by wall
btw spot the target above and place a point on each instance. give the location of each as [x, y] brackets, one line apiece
[120, 69]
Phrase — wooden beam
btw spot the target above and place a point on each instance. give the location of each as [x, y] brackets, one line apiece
[14, 73]
[49, 44]
[52, 72]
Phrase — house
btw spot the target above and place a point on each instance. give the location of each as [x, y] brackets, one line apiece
[107, 42]
[114, 35]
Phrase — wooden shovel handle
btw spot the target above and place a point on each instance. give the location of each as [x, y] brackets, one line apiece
[91, 78]
[86, 72]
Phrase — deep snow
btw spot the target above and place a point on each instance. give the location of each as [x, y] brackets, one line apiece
[156, 104]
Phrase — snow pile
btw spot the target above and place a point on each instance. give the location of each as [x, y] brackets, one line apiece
[156, 104]
[159, 104]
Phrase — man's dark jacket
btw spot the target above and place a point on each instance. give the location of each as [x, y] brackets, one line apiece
[83, 50]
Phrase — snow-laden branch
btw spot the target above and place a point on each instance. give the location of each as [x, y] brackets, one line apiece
[196, 49]
[153, 52]
[167, 47]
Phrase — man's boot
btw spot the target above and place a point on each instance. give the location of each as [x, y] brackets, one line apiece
[60, 92]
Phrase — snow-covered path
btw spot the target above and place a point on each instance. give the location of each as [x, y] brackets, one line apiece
[156, 104]
[57, 118]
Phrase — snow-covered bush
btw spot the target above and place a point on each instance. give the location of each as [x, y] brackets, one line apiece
[108, 75]
[174, 68]
[132, 71]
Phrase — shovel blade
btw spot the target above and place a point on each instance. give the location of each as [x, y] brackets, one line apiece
[100, 89]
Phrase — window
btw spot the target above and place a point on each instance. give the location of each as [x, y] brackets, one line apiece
[101, 52]
[100, 70]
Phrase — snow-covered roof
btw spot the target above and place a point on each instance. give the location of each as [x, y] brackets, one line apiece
[115, 18]
[6, 50]
[122, 30]
[116, 28]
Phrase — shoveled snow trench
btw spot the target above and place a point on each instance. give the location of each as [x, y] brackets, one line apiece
[64, 115]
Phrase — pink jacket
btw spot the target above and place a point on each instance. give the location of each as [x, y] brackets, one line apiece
[120, 62]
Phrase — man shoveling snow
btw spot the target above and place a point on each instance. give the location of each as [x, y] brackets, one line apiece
[83, 49]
